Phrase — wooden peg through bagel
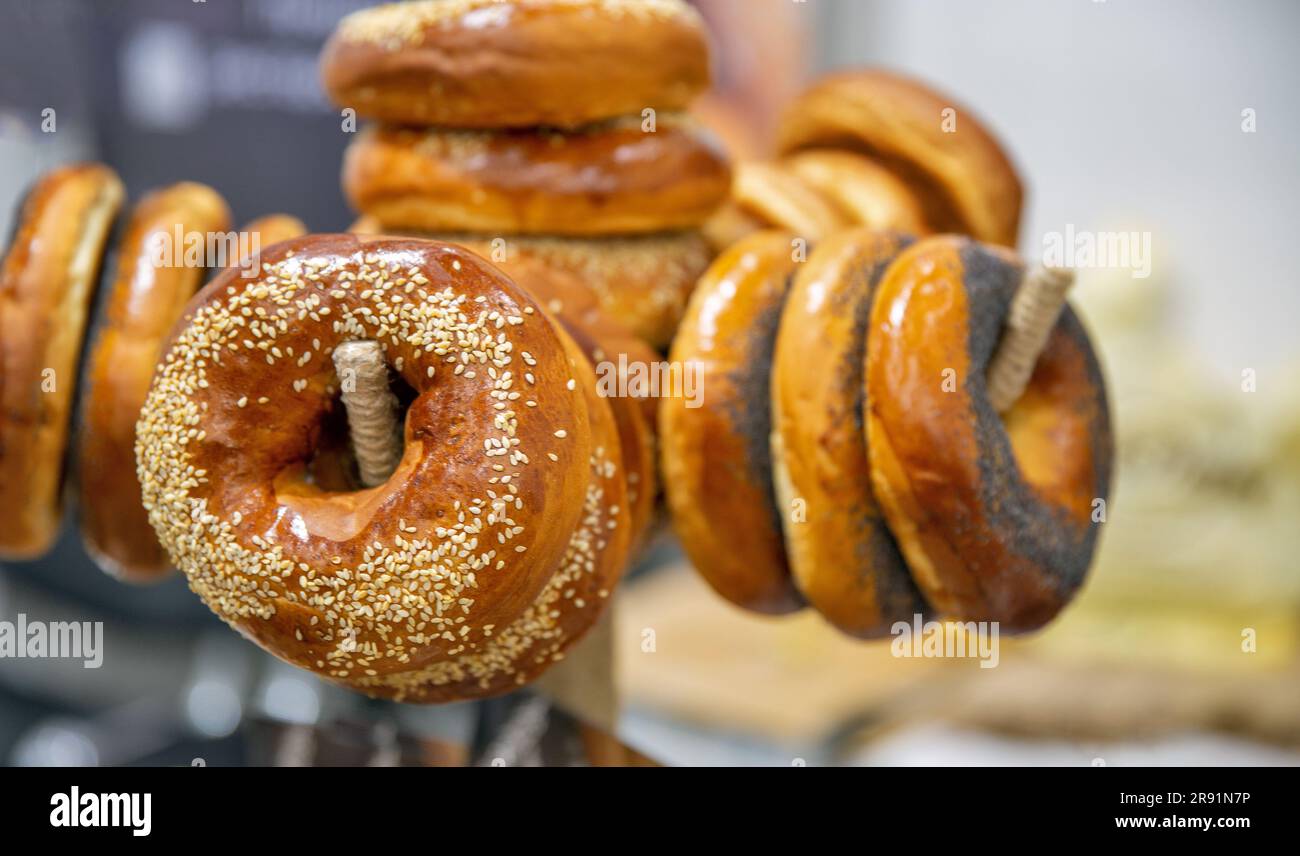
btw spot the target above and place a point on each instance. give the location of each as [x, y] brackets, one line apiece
[993, 512]
[490, 548]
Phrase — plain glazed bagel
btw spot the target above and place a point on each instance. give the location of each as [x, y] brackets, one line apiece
[642, 282]
[716, 460]
[610, 179]
[46, 285]
[782, 199]
[993, 513]
[866, 192]
[519, 63]
[841, 553]
[405, 587]
[814, 194]
[145, 301]
[957, 170]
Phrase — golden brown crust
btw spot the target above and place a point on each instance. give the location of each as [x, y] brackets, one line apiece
[610, 179]
[814, 193]
[610, 348]
[841, 553]
[572, 599]
[369, 588]
[994, 516]
[962, 177]
[716, 458]
[729, 224]
[642, 282]
[867, 193]
[782, 199]
[46, 285]
[145, 302]
[523, 63]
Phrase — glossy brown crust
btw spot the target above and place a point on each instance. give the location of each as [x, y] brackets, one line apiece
[523, 63]
[783, 200]
[612, 351]
[390, 588]
[46, 286]
[993, 513]
[841, 553]
[729, 224]
[611, 179]
[716, 458]
[963, 179]
[642, 282]
[573, 598]
[814, 194]
[144, 304]
[867, 193]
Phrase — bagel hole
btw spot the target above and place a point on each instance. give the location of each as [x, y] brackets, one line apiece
[333, 464]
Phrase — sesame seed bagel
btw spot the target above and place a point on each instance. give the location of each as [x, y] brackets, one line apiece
[641, 281]
[608, 179]
[46, 285]
[369, 588]
[145, 302]
[841, 553]
[572, 599]
[992, 512]
[516, 63]
[716, 458]
[957, 170]
[612, 350]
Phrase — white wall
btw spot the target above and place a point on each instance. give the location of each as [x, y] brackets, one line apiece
[1127, 114]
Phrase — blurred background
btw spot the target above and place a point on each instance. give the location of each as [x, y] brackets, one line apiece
[1184, 646]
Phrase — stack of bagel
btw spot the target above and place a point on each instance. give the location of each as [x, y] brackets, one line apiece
[873, 148]
[544, 130]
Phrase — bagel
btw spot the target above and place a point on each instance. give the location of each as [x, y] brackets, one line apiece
[145, 301]
[866, 192]
[841, 553]
[572, 599]
[958, 172]
[780, 197]
[46, 286]
[522, 63]
[607, 344]
[420, 588]
[716, 459]
[814, 194]
[610, 179]
[993, 513]
[641, 281]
